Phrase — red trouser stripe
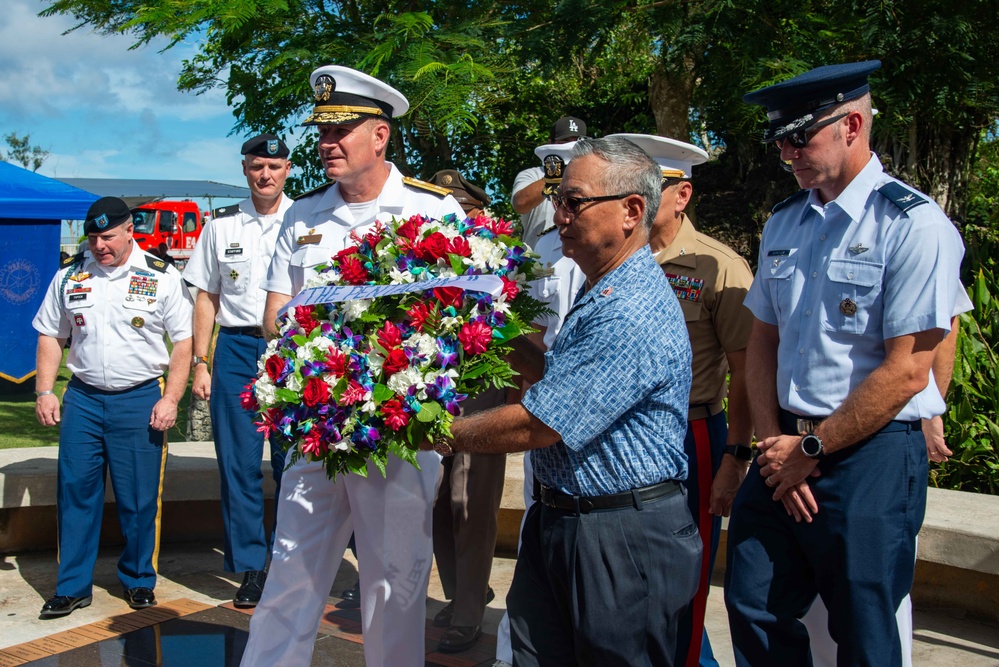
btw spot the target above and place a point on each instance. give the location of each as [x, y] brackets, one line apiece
[702, 447]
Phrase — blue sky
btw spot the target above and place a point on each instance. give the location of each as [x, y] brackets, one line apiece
[103, 111]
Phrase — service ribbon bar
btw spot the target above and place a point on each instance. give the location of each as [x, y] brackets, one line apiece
[336, 293]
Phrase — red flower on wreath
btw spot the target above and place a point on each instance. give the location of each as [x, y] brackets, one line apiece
[315, 392]
[395, 415]
[312, 443]
[510, 288]
[305, 316]
[336, 362]
[248, 399]
[459, 246]
[410, 229]
[475, 337]
[418, 315]
[450, 296]
[432, 248]
[389, 336]
[354, 393]
[395, 362]
[353, 272]
[274, 366]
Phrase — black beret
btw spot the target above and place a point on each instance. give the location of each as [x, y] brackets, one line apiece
[265, 145]
[798, 103]
[468, 195]
[104, 214]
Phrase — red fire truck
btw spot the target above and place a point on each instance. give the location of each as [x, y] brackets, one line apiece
[178, 224]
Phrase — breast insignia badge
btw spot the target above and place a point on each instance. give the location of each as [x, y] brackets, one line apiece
[848, 307]
[858, 249]
[234, 274]
[137, 322]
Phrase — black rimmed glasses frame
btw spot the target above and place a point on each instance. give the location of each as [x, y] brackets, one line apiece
[572, 204]
[799, 138]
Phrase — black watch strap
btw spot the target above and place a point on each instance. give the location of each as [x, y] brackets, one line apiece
[741, 452]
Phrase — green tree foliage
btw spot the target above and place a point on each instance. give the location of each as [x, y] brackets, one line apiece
[21, 151]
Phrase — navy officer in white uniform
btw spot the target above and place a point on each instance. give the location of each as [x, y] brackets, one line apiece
[117, 302]
[228, 266]
[391, 517]
[854, 293]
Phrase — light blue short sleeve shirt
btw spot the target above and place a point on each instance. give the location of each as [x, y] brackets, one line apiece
[841, 278]
[615, 386]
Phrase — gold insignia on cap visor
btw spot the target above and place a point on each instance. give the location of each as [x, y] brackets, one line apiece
[673, 173]
[337, 114]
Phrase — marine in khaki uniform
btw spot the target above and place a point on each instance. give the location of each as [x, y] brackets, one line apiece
[710, 280]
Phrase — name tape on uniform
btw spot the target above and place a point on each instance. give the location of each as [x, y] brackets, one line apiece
[335, 294]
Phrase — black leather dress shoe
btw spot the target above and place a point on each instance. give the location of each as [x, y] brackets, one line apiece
[249, 593]
[140, 598]
[352, 594]
[458, 638]
[61, 605]
[444, 616]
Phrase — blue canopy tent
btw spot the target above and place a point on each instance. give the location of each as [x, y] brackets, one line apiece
[31, 210]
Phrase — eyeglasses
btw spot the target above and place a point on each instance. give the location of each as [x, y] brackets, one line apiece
[572, 204]
[800, 138]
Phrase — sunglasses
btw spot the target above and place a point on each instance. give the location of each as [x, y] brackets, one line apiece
[572, 204]
[799, 139]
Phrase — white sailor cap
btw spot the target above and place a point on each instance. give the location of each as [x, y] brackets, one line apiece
[675, 158]
[344, 95]
[554, 158]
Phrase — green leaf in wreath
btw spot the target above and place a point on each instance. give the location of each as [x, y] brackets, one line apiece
[428, 411]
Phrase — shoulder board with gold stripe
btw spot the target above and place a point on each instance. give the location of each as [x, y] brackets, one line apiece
[316, 191]
[548, 231]
[423, 185]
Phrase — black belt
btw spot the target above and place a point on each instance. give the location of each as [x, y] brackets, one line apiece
[789, 422]
[256, 332]
[583, 504]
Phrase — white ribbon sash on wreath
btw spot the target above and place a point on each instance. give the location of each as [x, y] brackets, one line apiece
[338, 293]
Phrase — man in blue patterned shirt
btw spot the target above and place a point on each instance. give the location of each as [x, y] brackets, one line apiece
[610, 554]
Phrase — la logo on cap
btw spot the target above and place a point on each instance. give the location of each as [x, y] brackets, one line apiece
[573, 127]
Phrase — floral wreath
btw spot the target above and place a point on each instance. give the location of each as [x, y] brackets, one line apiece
[380, 349]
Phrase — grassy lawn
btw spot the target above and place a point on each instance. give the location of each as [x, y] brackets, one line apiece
[20, 428]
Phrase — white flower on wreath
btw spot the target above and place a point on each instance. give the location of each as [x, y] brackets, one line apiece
[425, 346]
[355, 308]
[486, 255]
[401, 381]
[397, 277]
[375, 362]
[265, 391]
[452, 323]
[343, 445]
[294, 383]
[322, 279]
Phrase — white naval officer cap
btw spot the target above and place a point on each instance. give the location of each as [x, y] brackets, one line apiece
[675, 158]
[345, 95]
[554, 158]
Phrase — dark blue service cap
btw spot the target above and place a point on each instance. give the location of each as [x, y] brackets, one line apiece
[265, 145]
[104, 214]
[798, 103]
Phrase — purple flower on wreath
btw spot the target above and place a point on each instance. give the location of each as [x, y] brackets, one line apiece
[447, 352]
[443, 391]
[313, 368]
[514, 257]
[349, 338]
[365, 436]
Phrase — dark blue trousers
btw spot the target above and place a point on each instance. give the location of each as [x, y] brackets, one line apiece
[103, 432]
[604, 588]
[239, 448]
[704, 445]
[858, 554]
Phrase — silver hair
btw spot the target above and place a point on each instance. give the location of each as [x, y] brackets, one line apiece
[630, 169]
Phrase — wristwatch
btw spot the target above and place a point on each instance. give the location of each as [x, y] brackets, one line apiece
[443, 445]
[741, 452]
[195, 360]
[811, 446]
